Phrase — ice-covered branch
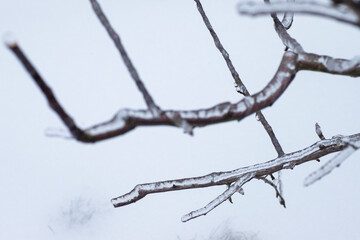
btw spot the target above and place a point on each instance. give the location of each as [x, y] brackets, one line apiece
[235, 187]
[133, 72]
[340, 13]
[241, 175]
[287, 40]
[127, 119]
[329, 64]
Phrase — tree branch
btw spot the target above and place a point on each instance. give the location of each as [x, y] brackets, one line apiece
[240, 86]
[342, 14]
[127, 119]
[240, 175]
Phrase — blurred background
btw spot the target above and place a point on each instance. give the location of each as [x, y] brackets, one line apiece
[52, 188]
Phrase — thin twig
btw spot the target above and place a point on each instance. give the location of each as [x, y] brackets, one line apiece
[242, 88]
[46, 90]
[235, 187]
[277, 191]
[134, 74]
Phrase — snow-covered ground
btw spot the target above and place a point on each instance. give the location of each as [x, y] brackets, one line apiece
[52, 188]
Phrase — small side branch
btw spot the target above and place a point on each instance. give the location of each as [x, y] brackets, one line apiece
[235, 187]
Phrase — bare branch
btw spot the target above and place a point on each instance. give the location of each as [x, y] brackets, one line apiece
[134, 74]
[342, 14]
[235, 187]
[287, 161]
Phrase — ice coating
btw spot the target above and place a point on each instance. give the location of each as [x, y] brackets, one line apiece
[219, 178]
[343, 14]
[236, 187]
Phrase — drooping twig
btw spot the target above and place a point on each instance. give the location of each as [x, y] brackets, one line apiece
[287, 161]
[342, 14]
[134, 74]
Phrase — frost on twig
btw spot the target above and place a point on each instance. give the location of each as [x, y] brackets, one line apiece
[343, 13]
[290, 160]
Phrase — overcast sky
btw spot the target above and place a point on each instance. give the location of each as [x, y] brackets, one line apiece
[53, 188]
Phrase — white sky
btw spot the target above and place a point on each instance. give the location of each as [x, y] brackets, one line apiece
[42, 179]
